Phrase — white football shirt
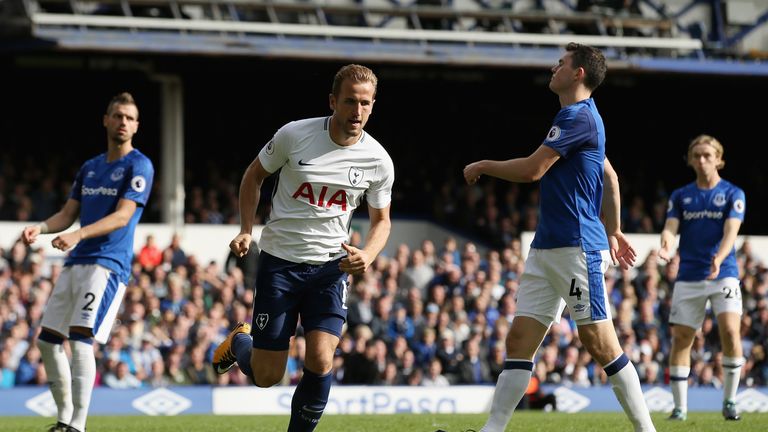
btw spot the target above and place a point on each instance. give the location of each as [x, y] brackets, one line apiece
[319, 186]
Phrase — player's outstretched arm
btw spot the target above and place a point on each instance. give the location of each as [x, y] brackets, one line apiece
[520, 170]
[358, 260]
[730, 231]
[111, 222]
[60, 221]
[250, 194]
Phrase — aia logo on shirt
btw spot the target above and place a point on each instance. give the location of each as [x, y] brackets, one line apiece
[324, 197]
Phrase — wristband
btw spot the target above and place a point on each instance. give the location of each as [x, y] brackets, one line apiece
[43, 228]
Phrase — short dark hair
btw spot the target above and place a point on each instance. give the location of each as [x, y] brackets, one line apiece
[592, 60]
[123, 98]
[356, 73]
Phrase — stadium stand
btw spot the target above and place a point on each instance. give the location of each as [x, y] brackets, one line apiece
[418, 314]
[390, 28]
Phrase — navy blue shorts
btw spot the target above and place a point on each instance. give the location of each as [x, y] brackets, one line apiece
[286, 291]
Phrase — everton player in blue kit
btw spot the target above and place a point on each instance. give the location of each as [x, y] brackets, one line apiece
[108, 196]
[708, 214]
[571, 249]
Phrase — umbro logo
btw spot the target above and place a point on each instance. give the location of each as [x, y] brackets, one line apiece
[161, 402]
[302, 163]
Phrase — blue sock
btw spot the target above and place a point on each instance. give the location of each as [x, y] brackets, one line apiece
[241, 347]
[309, 401]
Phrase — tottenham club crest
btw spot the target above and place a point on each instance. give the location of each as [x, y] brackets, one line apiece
[117, 174]
[355, 176]
[262, 320]
[719, 200]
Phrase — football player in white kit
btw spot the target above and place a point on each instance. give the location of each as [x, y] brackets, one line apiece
[108, 195]
[327, 165]
[572, 248]
[708, 213]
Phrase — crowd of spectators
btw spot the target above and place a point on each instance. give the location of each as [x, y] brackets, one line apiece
[429, 316]
[491, 213]
[436, 315]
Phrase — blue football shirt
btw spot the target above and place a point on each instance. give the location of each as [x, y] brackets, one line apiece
[98, 187]
[702, 214]
[572, 189]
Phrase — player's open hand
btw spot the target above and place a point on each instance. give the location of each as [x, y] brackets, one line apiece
[622, 252]
[240, 244]
[356, 261]
[30, 233]
[67, 241]
[472, 173]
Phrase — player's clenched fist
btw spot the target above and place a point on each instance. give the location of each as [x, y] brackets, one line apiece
[67, 241]
[356, 262]
[30, 233]
[240, 245]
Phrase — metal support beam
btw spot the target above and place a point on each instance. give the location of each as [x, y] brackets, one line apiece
[684, 44]
[172, 153]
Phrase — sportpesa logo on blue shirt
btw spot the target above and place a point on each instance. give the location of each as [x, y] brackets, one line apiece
[704, 214]
[98, 191]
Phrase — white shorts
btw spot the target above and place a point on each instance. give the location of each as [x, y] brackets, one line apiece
[689, 300]
[85, 295]
[556, 277]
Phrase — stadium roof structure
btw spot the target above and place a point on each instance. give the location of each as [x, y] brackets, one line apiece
[464, 32]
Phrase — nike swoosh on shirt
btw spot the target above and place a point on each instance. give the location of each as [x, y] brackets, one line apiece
[302, 163]
[220, 370]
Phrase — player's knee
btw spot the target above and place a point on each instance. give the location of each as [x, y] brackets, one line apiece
[682, 339]
[319, 366]
[266, 379]
[266, 376]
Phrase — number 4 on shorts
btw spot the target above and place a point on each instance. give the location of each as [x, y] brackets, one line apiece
[575, 291]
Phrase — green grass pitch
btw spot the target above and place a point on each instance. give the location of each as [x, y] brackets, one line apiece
[522, 421]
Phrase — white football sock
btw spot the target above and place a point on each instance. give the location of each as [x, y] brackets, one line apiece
[732, 371]
[510, 388]
[626, 386]
[83, 377]
[59, 377]
[678, 381]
